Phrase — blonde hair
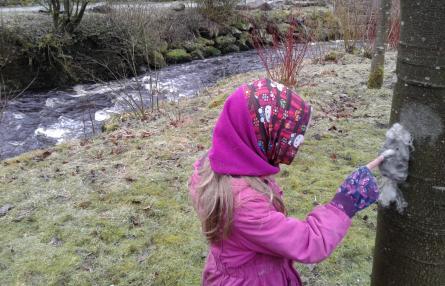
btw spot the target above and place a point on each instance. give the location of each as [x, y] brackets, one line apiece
[214, 201]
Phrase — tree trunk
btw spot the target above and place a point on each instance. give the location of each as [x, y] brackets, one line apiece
[378, 59]
[410, 247]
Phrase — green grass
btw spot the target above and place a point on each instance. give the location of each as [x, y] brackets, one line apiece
[115, 209]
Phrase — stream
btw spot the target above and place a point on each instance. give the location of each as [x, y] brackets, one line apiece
[42, 119]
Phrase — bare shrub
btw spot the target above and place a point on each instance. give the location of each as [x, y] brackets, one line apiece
[394, 25]
[282, 52]
[354, 19]
[217, 10]
[66, 14]
[392, 39]
[358, 25]
[136, 25]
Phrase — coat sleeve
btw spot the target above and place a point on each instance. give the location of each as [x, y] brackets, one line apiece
[267, 231]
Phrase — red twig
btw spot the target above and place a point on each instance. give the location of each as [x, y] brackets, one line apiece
[394, 25]
[282, 53]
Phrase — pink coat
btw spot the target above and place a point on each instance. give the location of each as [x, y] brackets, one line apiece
[264, 242]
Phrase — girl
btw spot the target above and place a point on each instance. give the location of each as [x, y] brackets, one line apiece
[252, 240]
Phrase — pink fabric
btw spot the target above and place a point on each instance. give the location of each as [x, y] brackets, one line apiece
[235, 149]
[261, 126]
[264, 242]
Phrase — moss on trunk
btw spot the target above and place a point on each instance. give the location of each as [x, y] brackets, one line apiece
[376, 78]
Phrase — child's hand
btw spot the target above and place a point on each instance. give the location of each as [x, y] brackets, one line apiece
[358, 191]
[379, 160]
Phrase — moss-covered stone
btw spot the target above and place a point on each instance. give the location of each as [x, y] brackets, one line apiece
[242, 45]
[190, 46]
[211, 52]
[265, 36]
[243, 26]
[230, 49]
[178, 56]
[245, 41]
[283, 28]
[235, 32]
[157, 60]
[205, 42]
[209, 32]
[224, 30]
[279, 15]
[163, 47]
[197, 55]
[224, 41]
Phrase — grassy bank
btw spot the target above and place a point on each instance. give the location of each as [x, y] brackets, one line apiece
[124, 42]
[15, 3]
[114, 209]
[115, 45]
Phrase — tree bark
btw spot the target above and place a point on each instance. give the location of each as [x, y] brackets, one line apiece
[410, 247]
[375, 79]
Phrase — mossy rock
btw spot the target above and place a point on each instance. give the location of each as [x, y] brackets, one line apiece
[163, 47]
[225, 41]
[197, 55]
[190, 46]
[279, 15]
[243, 26]
[157, 60]
[245, 41]
[208, 32]
[283, 28]
[230, 49]
[224, 31]
[242, 45]
[265, 36]
[211, 52]
[235, 32]
[178, 56]
[204, 42]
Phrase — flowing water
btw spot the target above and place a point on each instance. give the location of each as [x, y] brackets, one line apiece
[41, 119]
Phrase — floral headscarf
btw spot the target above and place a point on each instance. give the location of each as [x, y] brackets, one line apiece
[261, 126]
[280, 119]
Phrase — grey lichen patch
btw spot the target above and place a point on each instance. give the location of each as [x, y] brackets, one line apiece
[395, 167]
[423, 123]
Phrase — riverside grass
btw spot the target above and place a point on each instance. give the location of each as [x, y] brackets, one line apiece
[114, 210]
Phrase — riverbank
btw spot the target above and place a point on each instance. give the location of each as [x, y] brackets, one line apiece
[114, 209]
[125, 41]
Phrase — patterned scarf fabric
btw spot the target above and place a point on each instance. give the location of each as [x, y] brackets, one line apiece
[280, 118]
